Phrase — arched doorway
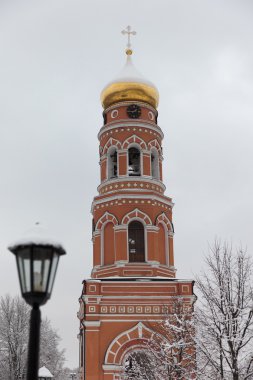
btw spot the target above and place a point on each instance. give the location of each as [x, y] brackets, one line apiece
[136, 243]
[142, 364]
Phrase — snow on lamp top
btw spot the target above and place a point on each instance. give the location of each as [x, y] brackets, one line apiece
[129, 85]
[37, 235]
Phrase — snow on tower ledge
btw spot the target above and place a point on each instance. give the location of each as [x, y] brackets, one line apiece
[129, 85]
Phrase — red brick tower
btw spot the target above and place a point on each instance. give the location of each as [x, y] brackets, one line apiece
[133, 275]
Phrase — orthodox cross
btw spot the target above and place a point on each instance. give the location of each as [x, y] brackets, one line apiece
[129, 32]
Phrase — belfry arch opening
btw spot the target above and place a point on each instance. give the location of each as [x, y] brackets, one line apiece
[112, 163]
[155, 164]
[134, 162]
[136, 242]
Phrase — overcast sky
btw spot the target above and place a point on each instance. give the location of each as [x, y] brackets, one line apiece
[55, 58]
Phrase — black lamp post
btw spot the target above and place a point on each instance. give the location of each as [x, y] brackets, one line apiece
[37, 261]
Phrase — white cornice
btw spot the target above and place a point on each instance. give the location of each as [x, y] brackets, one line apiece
[126, 124]
[91, 323]
[155, 299]
[146, 179]
[148, 279]
[120, 197]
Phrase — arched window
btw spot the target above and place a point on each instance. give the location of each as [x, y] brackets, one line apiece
[112, 163]
[134, 167]
[154, 164]
[162, 244]
[136, 244]
[108, 244]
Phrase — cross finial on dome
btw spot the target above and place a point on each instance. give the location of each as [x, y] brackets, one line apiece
[129, 32]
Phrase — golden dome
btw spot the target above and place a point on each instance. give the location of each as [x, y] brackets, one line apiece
[129, 86]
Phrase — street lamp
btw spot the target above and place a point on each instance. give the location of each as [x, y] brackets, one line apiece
[72, 375]
[37, 260]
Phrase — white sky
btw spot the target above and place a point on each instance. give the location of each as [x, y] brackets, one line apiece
[55, 58]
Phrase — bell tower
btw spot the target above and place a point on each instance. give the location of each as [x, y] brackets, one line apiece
[133, 275]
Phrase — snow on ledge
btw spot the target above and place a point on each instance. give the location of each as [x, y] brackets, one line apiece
[44, 372]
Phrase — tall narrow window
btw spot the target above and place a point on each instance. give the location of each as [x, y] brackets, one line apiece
[136, 245]
[112, 164]
[162, 244]
[134, 167]
[108, 242]
[154, 164]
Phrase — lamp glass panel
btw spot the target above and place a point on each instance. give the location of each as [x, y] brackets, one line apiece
[46, 274]
[53, 272]
[24, 269]
[41, 264]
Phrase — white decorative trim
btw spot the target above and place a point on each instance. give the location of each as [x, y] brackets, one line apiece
[136, 214]
[126, 124]
[122, 151]
[111, 367]
[154, 263]
[114, 114]
[145, 297]
[86, 298]
[106, 217]
[121, 289]
[111, 143]
[171, 280]
[155, 144]
[120, 227]
[146, 179]
[162, 218]
[130, 196]
[121, 263]
[151, 116]
[152, 228]
[91, 323]
[92, 288]
[139, 327]
[135, 140]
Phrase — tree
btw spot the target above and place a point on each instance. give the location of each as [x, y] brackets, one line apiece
[50, 355]
[225, 315]
[170, 352]
[14, 324]
[14, 332]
